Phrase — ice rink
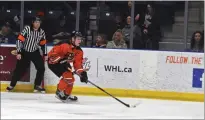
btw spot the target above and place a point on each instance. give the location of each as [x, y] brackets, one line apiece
[34, 106]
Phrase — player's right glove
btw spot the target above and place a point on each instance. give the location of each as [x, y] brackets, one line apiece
[84, 77]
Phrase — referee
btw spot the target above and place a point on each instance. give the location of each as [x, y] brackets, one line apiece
[27, 46]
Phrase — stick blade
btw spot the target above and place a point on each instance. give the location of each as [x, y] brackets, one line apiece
[135, 105]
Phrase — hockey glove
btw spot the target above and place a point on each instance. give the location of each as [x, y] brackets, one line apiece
[84, 77]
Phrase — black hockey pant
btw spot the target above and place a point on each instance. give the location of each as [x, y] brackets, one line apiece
[24, 63]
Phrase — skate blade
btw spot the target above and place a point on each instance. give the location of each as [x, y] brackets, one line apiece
[66, 101]
[36, 91]
[60, 99]
[8, 90]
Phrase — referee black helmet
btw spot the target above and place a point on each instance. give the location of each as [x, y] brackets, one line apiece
[36, 18]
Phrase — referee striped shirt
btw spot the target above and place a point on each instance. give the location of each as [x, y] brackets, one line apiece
[30, 40]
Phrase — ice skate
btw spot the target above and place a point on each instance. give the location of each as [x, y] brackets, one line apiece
[65, 98]
[39, 89]
[9, 88]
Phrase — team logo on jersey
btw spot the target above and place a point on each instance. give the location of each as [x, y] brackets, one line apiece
[86, 64]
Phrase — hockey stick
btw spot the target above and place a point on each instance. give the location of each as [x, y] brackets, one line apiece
[127, 105]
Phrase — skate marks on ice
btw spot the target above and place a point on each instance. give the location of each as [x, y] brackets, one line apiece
[42, 104]
[27, 105]
[50, 98]
[49, 104]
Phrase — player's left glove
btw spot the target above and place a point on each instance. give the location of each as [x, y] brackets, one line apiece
[84, 77]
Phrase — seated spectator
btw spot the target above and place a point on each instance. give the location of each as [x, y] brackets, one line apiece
[197, 42]
[5, 34]
[100, 41]
[117, 40]
[136, 31]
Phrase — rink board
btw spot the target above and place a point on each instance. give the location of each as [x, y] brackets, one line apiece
[135, 73]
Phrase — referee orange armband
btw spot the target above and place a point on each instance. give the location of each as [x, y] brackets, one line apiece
[21, 38]
[42, 42]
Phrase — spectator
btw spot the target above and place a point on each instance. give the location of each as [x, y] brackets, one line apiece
[16, 25]
[117, 40]
[100, 41]
[62, 27]
[136, 31]
[149, 24]
[118, 21]
[58, 39]
[197, 42]
[57, 27]
[5, 34]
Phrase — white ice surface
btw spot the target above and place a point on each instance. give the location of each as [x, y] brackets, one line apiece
[34, 106]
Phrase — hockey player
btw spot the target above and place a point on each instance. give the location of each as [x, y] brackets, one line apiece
[59, 59]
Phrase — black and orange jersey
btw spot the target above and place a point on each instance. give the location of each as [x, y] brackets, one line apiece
[78, 59]
[63, 51]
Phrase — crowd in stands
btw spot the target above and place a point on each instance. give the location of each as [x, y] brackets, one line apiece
[146, 32]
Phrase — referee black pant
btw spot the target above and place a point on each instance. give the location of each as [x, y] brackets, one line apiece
[23, 64]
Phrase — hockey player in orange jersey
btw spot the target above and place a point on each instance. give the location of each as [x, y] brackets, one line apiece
[59, 59]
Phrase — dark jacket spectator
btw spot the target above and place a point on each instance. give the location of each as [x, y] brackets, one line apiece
[197, 42]
[151, 33]
[16, 25]
[117, 40]
[126, 31]
[6, 35]
[100, 41]
[57, 28]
